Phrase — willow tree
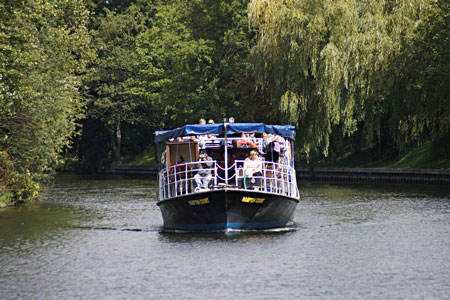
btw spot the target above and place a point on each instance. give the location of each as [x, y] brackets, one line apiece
[425, 109]
[331, 64]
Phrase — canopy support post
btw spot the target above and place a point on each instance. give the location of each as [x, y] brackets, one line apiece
[226, 149]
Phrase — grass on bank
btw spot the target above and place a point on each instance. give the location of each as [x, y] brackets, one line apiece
[146, 158]
[419, 157]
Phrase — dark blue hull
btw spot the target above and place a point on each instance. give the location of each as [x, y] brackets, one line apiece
[225, 209]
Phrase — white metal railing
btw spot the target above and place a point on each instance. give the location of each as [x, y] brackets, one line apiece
[179, 180]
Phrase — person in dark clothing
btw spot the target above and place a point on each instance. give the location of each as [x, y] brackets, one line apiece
[271, 154]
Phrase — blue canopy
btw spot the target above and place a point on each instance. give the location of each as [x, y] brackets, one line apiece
[287, 131]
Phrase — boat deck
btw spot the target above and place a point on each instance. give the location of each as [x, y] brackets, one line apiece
[176, 181]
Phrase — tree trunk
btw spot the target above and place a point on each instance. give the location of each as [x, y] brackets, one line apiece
[116, 142]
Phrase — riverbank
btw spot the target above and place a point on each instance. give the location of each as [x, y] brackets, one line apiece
[388, 175]
[339, 174]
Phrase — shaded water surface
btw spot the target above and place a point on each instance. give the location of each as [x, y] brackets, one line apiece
[100, 238]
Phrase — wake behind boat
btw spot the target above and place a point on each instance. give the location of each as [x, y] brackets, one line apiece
[219, 177]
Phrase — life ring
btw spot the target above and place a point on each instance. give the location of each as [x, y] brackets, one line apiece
[248, 142]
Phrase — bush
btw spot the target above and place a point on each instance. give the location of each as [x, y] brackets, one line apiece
[15, 188]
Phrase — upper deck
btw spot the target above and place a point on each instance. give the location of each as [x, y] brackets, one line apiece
[275, 178]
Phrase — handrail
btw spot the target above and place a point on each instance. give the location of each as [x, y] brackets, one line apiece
[178, 180]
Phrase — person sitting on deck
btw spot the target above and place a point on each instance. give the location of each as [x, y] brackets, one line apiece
[203, 176]
[179, 167]
[283, 159]
[253, 167]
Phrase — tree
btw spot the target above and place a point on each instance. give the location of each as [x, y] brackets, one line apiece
[44, 45]
[193, 63]
[161, 64]
[172, 66]
[331, 65]
[425, 109]
[107, 83]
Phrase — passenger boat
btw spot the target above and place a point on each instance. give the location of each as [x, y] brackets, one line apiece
[234, 199]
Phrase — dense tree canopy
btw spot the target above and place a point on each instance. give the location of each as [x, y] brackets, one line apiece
[44, 47]
[107, 81]
[193, 61]
[161, 64]
[106, 74]
[339, 66]
[427, 75]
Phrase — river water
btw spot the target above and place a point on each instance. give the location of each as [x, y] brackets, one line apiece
[100, 238]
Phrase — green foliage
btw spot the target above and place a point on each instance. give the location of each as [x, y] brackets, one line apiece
[146, 158]
[172, 65]
[421, 156]
[356, 76]
[161, 64]
[335, 65]
[44, 46]
[193, 62]
[108, 82]
[15, 188]
[425, 108]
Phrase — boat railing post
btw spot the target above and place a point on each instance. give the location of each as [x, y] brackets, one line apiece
[237, 173]
[184, 181]
[165, 183]
[168, 183]
[281, 180]
[291, 180]
[265, 177]
[163, 178]
[215, 173]
[161, 185]
[278, 179]
[288, 183]
[176, 181]
[286, 179]
[293, 183]
[275, 179]
[171, 184]
[164, 192]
